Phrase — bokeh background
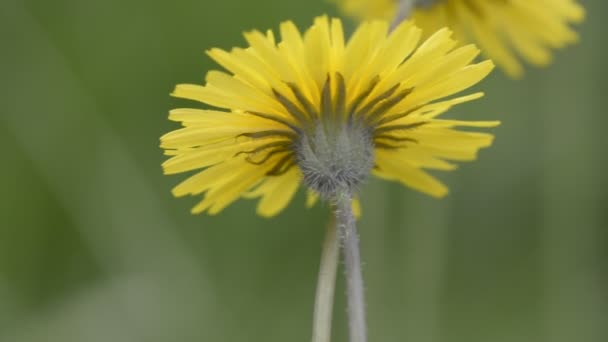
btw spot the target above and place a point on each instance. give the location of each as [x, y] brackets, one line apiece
[94, 248]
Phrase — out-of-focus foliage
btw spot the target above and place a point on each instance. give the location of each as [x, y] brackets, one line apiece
[94, 248]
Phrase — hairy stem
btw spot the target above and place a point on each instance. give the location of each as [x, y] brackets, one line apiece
[326, 284]
[352, 261]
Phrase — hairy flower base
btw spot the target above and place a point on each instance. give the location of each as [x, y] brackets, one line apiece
[313, 108]
[335, 156]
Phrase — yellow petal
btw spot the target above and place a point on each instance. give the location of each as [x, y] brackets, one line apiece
[356, 205]
[410, 176]
[311, 198]
[277, 192]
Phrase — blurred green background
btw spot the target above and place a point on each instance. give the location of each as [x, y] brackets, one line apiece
[94, 248]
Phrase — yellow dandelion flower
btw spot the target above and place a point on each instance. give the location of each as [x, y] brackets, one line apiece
[317, 110]
[502, 28]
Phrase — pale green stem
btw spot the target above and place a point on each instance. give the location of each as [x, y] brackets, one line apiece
[403, 12]
[326, 284]
[352, 262]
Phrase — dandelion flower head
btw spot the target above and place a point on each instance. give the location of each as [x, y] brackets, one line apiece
[315, 109]
[502, 28]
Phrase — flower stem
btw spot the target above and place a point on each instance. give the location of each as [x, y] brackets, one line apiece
[352, 261]
[403, 12]
[326, 284]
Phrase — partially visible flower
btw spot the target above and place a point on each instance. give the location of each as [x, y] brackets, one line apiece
[314, 109]
[502, 28]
